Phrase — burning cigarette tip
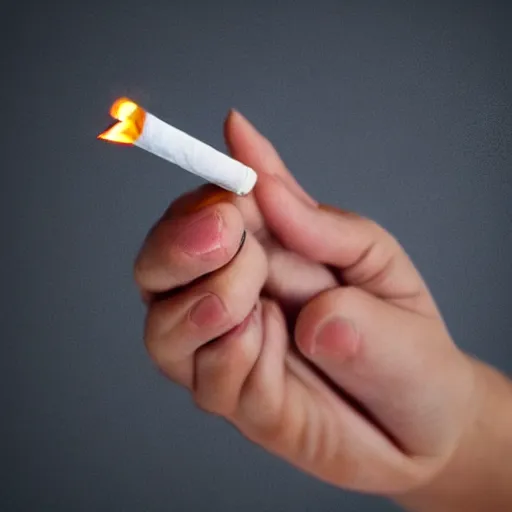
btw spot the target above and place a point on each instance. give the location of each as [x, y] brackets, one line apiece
[129, 125]
[135, 126]
[123, 108]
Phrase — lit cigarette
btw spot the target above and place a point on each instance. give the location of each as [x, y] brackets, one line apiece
[137, 127]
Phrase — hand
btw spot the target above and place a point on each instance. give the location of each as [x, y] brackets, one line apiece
[317, 338]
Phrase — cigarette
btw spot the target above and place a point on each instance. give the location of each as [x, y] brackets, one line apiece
[135, 126]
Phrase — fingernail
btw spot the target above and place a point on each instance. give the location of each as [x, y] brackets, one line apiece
[202, 234]
[336, 337]
[208, 311]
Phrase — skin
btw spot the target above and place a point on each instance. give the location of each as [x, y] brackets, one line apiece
[319, 341]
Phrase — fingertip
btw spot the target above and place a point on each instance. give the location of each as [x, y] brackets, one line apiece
[235, 116]
[249, 146]
[234, 126]
[335, 337]
[227, 126]
[324, 326]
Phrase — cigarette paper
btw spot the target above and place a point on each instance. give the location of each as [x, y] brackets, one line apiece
[137, 127]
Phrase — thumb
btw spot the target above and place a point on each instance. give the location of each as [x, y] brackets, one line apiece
[398, 366]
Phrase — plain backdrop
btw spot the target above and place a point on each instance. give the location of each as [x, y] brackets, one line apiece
[400, 110]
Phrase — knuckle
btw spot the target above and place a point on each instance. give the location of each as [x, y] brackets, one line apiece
[176, 369]
[371, 225]
[386, 238]
[150, 330]
[139, 270]
[153, 323]
[152, 345]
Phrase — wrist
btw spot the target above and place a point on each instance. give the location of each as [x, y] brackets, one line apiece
[477, 476]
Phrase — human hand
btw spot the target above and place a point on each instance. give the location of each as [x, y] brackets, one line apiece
[317, 338]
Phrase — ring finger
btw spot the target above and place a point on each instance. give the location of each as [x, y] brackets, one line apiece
[210, 307]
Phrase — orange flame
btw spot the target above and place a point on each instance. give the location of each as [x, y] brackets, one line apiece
[129, 125]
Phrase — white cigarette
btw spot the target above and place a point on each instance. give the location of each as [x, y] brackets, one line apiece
[142, 129]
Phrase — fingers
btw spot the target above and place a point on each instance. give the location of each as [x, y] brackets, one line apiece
[179, 325]
[222, 366]
[180, 249]
[294, 280]
[241, 375]
[248, 146]
[366, 254]
[391, 361]
[262, 396]
[368, 257]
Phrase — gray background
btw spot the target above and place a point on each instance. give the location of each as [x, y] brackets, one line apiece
[399, 110]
